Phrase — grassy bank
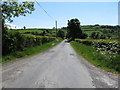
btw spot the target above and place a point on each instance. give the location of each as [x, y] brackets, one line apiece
[107, 62]
[30, 51]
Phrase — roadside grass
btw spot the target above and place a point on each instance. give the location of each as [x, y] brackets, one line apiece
[109, 63]
[28, 52]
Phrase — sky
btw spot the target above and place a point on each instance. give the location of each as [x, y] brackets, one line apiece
[89, 13]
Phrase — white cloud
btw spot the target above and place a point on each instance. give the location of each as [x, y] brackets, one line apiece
[11, 26]
[8, 24]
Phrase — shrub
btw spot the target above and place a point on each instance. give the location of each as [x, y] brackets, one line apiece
[61, 33]
[14, 41]
[109, 47]
[94, 35]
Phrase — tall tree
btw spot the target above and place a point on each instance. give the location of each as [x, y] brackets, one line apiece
[74, 29]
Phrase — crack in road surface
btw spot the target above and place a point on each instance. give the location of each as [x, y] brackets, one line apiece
[59, 67]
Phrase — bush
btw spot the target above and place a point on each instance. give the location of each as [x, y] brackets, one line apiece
[84, 36]
[61, 33]
[14, 41]
[109, 47]
[102, 37]
[95, 35]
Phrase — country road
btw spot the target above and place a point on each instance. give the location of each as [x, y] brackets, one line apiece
[59, 67]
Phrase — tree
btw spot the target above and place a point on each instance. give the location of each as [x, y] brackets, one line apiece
[84, 36]
[74, 29]
[24, 27]
[102, 37]
[94, 35]
[97, 25]
[61, 34]
[11, 9]
[64, 28]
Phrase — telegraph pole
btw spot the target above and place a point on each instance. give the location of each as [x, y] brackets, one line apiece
[56, 28]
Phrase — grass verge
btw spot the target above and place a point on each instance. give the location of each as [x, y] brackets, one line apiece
[30, 51]
[106, 62]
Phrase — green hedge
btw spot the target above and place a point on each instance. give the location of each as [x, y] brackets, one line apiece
[109, 47]
[14, 41]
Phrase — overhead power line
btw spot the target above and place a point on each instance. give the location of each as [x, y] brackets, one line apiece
[48, 15]
[44, 10]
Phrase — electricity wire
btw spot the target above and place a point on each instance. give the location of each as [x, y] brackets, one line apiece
[44, 10]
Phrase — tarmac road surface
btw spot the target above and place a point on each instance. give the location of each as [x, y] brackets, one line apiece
[59, 67]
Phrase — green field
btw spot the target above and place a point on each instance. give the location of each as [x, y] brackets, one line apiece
[40, 32]
[23, 31]
[89, 32]
[34, 30]
[110, 32]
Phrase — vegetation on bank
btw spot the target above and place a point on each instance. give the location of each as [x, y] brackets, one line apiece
[30, 51]
[106, 46]
[14, 41]
[16, 45]
[100, 58]
[98, 40]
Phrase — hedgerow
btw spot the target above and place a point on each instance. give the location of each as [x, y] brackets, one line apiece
[14, 41]
[107, 54]
[108, 47]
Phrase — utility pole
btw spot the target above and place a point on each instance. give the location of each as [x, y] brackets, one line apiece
[56, 28]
